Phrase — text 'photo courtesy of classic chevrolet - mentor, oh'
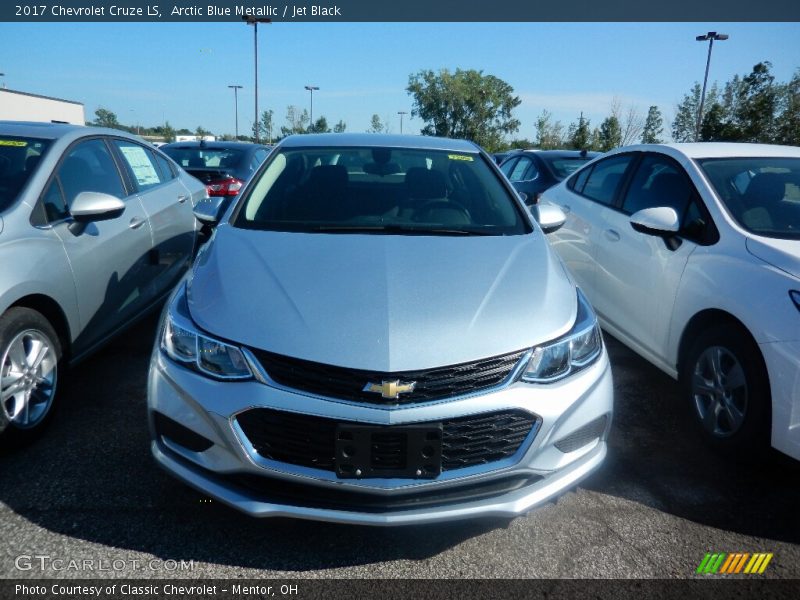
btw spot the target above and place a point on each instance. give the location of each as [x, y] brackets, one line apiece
[377, 332]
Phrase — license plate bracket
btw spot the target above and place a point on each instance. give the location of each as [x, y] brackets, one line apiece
[396, 451]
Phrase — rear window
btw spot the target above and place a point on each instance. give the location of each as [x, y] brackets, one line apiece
[205, 158]
[19, 159]
[380, 190]
[564, 167]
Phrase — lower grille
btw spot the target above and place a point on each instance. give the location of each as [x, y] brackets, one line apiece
[282, 492]
[309, 441]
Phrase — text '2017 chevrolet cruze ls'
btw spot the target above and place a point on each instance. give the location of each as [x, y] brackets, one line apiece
[378, 333]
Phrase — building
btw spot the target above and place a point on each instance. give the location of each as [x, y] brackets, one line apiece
[22, 106]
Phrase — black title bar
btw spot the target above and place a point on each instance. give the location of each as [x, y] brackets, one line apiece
[405, 10]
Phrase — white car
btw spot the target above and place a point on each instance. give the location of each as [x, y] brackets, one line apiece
[690, 254]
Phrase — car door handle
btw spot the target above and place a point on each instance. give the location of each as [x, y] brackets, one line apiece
[566, 208]
[612, 235]
[135, 223]
[182, 199]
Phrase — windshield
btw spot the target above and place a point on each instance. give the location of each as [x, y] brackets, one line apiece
[205, 158]
[380, 190]
[19, 158]
[762, 194]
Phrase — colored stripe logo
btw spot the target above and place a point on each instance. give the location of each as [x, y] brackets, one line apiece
[734, 563]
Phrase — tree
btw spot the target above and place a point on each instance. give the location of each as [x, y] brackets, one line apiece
[549, 135]
[579, 135]
[653, 127]
[758, 101]
[265, 126]
[376, 125]
[168, 132]
[298, 121]
[106, 118]
[201, 133]
[610, 134]
[684, 126]
[339, 127]
[465, 104]
[787, 124]
[320, 126]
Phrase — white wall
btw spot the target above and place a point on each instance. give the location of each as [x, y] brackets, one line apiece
[16, 106]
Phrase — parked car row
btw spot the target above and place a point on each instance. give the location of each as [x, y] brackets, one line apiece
[378, 330]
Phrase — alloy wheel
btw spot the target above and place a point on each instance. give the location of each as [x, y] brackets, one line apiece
[720, 392]
[28, 373]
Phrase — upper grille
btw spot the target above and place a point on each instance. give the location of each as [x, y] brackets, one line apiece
[309, 441]
[348, 384]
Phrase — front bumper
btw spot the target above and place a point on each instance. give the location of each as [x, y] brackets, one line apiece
[783, 365]
[227, 468]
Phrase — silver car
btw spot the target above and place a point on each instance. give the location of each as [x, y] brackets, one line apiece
[96, 227]
[378, 333]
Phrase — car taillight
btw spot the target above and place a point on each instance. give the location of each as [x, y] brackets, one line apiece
[224, 187]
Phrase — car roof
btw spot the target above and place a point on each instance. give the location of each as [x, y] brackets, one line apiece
[217, 145]
[55, 131]
[377, 140]
[719, 149]
[561, 153]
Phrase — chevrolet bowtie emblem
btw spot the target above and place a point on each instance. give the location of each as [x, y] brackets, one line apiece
[390, 389]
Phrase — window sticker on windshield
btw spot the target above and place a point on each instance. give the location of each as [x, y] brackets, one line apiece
[460, 157]
[140, 164]
[18, 143]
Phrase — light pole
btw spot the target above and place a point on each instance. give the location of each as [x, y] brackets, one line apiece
[4, 83]
[311, 89]
[236, 89]
[254, 21]
[709, 37]
[401, 113]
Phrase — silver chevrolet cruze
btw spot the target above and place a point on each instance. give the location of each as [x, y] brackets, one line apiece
[378, 333]
[96, 227]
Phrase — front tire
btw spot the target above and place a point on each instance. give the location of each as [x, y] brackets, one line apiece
[30, 352]
[725, 380]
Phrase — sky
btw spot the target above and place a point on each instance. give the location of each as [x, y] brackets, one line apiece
[148, 73]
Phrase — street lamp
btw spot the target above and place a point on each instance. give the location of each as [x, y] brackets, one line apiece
[709, 37]
[236, 89]
[311, 89]
[254, 21]
[401, 113]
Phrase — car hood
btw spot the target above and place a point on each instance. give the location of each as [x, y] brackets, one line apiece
[783, 254]
[381, 302]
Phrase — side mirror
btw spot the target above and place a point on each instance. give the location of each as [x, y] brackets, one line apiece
[209, 210]
[549, 216]
[95, 206]
[661, 221]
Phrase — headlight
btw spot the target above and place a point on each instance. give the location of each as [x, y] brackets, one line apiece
[185, 345]
[578, 349]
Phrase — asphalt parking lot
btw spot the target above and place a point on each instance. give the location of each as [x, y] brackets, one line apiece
[89, 491]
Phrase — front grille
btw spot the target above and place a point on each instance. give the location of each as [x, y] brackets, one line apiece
[348, 384]
[309, 441]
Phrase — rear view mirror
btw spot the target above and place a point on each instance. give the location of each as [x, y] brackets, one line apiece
[549, 216]
[660, 221]
[95, 206]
